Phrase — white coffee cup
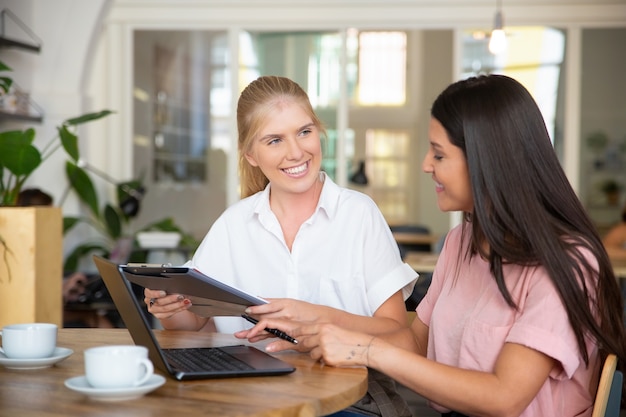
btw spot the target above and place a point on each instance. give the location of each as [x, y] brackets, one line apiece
[29, 340]
[119, 366]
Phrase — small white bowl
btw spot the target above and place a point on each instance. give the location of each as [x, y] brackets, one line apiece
[164, 240]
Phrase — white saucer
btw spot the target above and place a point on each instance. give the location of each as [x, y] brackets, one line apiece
[80, 384]
[58, 355]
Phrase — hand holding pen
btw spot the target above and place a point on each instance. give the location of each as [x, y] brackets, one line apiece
[275, 332]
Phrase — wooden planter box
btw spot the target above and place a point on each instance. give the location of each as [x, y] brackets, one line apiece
[31, 271]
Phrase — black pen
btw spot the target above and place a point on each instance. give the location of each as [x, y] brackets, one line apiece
[275, 332]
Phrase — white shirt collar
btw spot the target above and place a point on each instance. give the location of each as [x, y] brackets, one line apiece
[328, 201]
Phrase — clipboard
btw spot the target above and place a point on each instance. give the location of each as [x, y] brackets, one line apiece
[209, 297]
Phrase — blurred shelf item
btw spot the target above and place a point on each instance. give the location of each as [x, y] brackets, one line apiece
[158, 240]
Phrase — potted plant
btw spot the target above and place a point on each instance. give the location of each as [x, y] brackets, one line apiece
[112, 221]
[19, 157]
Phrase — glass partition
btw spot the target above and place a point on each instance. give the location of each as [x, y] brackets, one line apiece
[603, 125]
[183, 103]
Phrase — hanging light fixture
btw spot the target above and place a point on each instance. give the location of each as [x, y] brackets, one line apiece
[497, 41]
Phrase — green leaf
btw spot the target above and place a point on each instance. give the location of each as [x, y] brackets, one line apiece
[21, 137]
[112, 222]
[82, 184]
[17, 154]
[69, 223]
[87, 117]
[6, 83]
[4, 67]
[69, 142]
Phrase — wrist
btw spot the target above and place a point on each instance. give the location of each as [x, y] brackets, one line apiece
[367, 351]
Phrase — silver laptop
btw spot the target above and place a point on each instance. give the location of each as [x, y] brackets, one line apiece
[184, 363]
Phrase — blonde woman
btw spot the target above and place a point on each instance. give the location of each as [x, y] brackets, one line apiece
[316, 251]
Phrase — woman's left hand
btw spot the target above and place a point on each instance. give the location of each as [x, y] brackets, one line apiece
[327, 342]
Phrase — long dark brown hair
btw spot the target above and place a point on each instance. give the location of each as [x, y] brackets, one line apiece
[524, 207]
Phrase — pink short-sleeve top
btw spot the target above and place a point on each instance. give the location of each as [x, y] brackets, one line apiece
[469, 321]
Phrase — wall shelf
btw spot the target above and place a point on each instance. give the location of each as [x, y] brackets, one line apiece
[8, 17]
[11, 43]
[5, 115]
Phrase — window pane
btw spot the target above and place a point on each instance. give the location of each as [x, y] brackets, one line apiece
[387, 168]
[382, 68]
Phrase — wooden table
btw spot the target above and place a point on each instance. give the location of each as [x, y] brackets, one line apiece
[311, 390]
[415, 238]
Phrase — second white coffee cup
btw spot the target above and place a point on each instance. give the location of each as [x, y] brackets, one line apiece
[118, 366]
[29, 340]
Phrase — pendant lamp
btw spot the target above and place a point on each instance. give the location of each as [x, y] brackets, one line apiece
[497, 41]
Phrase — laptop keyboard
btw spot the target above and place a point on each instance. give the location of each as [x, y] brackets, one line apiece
[204, 359]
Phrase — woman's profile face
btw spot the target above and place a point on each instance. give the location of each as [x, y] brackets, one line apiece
[288, 149]
[448, 167]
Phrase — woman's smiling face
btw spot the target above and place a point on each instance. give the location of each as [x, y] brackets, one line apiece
[288, 149]
[448, 167]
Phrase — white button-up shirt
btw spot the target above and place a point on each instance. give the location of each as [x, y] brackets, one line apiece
[344, 256]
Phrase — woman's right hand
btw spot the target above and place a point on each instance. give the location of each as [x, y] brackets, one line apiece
[162, 305]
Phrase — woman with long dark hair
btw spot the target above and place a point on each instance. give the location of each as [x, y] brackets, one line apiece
[523, 306]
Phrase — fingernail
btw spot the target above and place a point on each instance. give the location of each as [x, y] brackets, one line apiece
[162, 293]
[180, 298]
[187, 302]
[247, 310]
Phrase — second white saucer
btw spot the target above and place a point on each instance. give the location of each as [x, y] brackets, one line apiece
[58, 355]
[80, 384]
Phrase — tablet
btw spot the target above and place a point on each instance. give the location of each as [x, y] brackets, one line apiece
[209, 297]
